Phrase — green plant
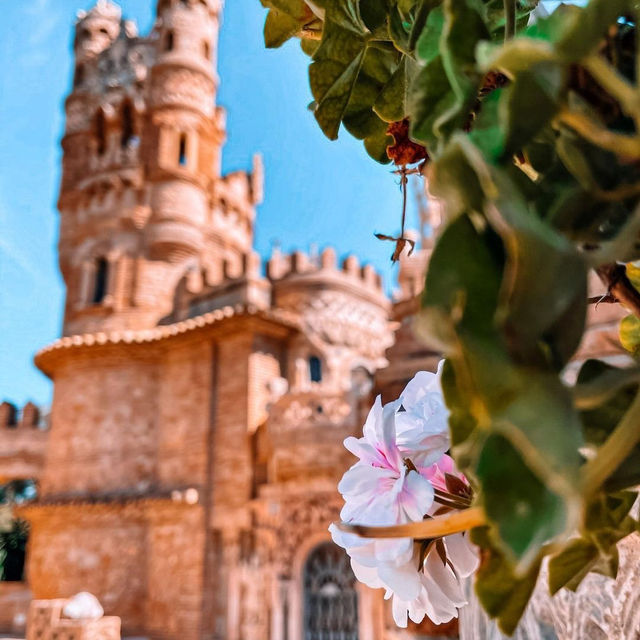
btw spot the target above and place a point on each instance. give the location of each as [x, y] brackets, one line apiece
[528, 131]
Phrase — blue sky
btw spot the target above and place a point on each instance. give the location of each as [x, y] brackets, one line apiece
[316, 191]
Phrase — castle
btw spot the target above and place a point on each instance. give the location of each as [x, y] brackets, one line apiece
[189, 471]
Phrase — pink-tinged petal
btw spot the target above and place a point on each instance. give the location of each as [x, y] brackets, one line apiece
[386, 434]
[364, 479]
[396, 551]
[404, 581]
[399, 610]
[446, 580]
[420, 384]
[463, 554]
[439, 608]
[348, 540]
[446, 464]
[366, 575]
[370, 430]
[362, 449]
[416, 497]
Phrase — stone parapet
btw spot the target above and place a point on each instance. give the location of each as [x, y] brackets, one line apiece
[23, 442]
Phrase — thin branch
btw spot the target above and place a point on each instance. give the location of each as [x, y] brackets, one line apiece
[614, 84]
[621, 145]
[619, 286]
[607, 298]
[434, 528]
[510, 19]
[614, 451]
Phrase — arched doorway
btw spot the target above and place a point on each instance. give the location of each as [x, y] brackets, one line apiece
[330, 596]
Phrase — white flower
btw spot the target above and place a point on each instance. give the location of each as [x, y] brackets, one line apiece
[422, 428]
[379, 489]
[401, 460]
[440, 595]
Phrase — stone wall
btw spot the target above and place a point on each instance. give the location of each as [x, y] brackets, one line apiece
[142, 559]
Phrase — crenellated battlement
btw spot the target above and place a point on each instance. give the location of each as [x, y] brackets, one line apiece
[24, 434]
[28, 417]
[324, 267]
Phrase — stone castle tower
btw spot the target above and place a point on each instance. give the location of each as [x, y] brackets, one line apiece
[142, 198]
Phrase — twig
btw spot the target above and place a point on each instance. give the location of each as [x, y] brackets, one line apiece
[621, 145]
[619, 286]
[606, 298]
[614, 451]
[510, 19]
[614, 84]
[434, 528]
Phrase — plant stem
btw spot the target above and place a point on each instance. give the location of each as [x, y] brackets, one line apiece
[621, 145]
[614, 451]
[615, 84]
[509, 19]
[433, 528]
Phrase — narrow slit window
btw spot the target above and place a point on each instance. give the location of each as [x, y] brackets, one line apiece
[100, 283]
[101, 134]
[169, 41]
[128, 129]
[78, 77]
[315, 369]
[206, 49]
[182, 153]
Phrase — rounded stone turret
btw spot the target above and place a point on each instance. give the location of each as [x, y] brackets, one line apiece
[96, 29]
[343, 312]
[188, 129]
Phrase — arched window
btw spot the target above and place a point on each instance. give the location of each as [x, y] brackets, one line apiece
[128, 128]
[78, 76]
[330, 596]
[101, 134]
[315, 369]
[182, 151]
[206, 50]
[100, 281]
[169, 42]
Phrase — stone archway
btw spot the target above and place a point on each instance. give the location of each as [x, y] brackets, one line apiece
[330, 595]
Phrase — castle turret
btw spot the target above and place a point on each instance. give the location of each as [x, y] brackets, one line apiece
[187, 128]
[142, 199]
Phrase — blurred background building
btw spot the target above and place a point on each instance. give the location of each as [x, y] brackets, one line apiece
[186, 473]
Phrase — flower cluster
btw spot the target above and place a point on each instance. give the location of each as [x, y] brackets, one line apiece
[404, 475]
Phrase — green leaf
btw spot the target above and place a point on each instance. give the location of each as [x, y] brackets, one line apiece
[430, 97]
[572, 564]
[503, 593]
[390, 104]
[525, 511]
[333, 76]
[373, 13]
[630, 334]
[346, 14]
[516, 55]
[530, 103]
[488, 132]
[278, 28]
[428, 44]
[464, 277]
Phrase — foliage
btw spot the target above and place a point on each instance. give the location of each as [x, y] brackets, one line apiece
[530, 130]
